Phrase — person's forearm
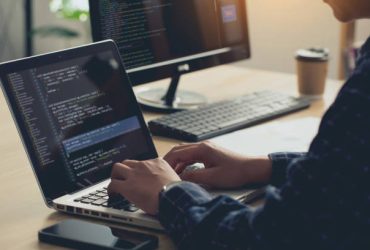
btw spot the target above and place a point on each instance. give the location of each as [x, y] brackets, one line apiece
[195, 220]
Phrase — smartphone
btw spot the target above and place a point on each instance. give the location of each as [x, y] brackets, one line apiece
[79, 234]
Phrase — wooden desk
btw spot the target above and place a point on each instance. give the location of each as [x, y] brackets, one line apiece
[22, 210]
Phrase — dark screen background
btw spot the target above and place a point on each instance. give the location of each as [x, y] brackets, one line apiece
[149, 32]
[78, 117]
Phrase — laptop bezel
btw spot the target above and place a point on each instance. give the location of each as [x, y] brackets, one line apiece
[54, 57]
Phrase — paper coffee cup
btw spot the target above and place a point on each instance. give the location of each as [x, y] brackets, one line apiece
[312, 71]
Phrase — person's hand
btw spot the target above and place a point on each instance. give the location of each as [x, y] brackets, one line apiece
[223, 168]
[141, 182]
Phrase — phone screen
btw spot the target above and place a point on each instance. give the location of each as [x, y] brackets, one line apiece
[75, 233]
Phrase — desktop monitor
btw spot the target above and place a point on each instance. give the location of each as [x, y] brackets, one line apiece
[161, 39]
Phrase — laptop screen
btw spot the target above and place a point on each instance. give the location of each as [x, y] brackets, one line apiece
[77, 115]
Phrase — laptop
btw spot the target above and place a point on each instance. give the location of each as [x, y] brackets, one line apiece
[77, 115]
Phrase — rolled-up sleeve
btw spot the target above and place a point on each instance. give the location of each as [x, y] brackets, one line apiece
[280, 163]
[194, 220]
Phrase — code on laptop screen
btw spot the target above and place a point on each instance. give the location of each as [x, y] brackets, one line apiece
[80, 119]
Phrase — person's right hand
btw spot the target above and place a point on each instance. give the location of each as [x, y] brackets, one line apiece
[223, 168]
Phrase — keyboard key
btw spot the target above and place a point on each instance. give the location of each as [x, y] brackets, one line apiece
[94, 197]
[99, 202]
[121, 206]
[118, 202]
[87, 201]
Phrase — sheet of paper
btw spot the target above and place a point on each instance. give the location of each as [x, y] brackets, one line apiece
[293, 136]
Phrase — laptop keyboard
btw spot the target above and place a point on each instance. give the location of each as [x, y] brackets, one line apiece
[100, 198]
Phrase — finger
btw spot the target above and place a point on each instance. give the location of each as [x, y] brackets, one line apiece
[120, 171]
[183, 146]
[178, 158]
[180, 146]
[115, 186]
[188, 154]
[206, 176]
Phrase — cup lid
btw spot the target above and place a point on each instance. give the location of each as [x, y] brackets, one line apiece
[313, 54]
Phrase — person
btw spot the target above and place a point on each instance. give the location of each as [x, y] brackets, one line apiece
[315, 200]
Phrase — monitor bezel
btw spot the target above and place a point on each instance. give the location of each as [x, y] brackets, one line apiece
[42, 60]
[169, 71]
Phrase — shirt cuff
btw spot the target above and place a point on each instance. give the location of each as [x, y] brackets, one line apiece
[195, 220]
[178, 198]
[280, 163]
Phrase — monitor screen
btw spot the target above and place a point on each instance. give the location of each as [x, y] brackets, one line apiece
[158, 38]
[77, 115]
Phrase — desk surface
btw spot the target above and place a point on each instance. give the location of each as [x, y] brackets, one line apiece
[23, 211]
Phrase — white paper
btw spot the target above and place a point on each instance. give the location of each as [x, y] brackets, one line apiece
[286, 136]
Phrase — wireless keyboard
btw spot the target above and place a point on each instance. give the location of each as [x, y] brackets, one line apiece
[226, 116]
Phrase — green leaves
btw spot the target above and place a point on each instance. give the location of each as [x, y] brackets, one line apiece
[74, 10]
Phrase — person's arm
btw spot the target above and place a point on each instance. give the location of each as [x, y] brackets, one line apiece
[312, 210]
[195, 220]
[323, 203]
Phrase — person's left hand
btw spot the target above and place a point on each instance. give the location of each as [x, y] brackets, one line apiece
[141, 181]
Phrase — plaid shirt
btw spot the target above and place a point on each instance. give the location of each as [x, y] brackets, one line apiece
[317, 200]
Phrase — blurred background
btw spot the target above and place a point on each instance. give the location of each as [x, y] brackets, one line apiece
[277, 30]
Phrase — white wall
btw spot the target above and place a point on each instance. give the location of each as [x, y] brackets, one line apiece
[363, 30]
[279, 28]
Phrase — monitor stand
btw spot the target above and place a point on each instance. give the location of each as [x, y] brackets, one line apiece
[170, 100]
